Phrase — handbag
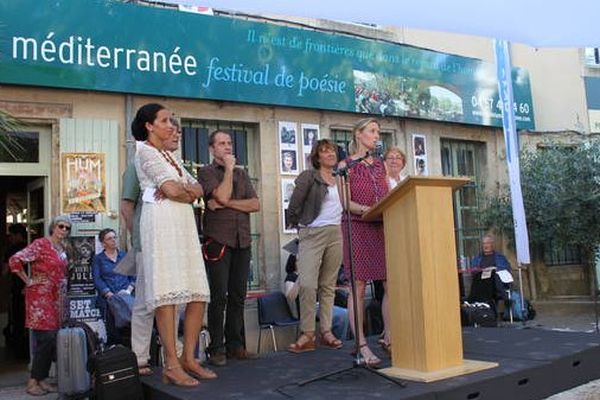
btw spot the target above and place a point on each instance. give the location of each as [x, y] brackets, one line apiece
[121, 306]
[127, 265]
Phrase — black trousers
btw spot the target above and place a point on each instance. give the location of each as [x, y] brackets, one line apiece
[44, 352]
[228, 280]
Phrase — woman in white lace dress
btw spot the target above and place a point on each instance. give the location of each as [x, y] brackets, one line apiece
[172, 258]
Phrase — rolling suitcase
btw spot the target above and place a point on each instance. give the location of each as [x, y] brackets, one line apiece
[116, 375]
[71, 362]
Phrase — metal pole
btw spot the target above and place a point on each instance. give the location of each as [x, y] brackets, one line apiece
[520, 269]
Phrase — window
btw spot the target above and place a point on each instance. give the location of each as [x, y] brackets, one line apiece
[561, 255]
[19, 147]
[194, 152]
[462, 158]
[195, 140]
[592, 57]
[554, 254]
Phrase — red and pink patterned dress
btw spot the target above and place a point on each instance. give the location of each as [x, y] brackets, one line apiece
[42, 300]
[368, 186]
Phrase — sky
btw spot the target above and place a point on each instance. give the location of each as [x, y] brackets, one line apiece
[537, 23]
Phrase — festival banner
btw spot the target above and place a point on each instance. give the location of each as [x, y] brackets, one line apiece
[511, 141]
[66, 44]
[83, 182]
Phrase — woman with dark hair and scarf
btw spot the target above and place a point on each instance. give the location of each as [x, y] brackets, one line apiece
[174, 271]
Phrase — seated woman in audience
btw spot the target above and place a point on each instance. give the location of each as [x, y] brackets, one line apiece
[108, 282]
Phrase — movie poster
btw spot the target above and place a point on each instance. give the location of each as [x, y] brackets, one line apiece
[84, 309]
[81, 289]
[81, 280]
[83, 185]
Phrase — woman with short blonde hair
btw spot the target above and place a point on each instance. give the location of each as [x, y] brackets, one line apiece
[395, 161]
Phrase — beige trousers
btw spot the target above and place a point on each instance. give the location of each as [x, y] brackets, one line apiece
[319, 260]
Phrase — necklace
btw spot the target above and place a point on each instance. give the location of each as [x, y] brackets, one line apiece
[58, 247]
[168, 158]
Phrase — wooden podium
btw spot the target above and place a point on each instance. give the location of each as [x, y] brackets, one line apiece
[422, 280]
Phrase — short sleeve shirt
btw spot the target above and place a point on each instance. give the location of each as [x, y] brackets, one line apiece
[132, 192]
[227, 226]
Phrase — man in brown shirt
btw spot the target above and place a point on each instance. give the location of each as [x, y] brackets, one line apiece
[229, 198]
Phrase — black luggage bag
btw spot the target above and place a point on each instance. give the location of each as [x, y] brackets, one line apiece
[478, 314]
[116, 375]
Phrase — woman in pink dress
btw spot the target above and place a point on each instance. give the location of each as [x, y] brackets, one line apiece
[368, 186]
[43, 287]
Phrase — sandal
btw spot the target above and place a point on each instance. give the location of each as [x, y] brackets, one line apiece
[34, 389]
[303, 344]
[330, 341]
[145, 370]
[48, 387]
[387, 347]
[187, 381]
[198, 371]
[370, 359]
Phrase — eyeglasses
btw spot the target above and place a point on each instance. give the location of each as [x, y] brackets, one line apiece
[110, 237]
[64, 227]
[394, 158]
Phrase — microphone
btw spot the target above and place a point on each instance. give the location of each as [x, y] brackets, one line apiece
[342, 171]
[378, 152]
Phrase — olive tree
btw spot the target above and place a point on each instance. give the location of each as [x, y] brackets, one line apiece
[561, 195]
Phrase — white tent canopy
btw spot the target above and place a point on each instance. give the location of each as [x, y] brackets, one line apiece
[538, 23]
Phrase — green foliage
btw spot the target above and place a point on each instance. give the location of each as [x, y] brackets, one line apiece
[10, 148]
[561, 194]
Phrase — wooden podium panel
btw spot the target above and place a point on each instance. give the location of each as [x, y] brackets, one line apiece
[422, 281]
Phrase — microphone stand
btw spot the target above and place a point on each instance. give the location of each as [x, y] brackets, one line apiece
[358, 361]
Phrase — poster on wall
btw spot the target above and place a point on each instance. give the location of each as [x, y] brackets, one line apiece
[420, 155]
[310, 136]
[288, 148]
[83, 182]
[81, 280]
[287, 188]
[85, 309]
[82, 304]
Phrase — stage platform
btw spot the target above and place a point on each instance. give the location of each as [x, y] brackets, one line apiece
[534, 364]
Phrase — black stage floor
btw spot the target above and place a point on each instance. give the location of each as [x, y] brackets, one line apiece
[534, 364]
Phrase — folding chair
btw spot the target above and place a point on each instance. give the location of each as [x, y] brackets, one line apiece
[274, 311]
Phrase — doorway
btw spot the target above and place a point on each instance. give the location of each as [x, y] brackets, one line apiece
[23, 215]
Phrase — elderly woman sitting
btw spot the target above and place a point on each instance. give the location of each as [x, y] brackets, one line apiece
[108, 282]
